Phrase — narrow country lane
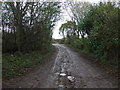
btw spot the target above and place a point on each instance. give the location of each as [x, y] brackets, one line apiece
[66, 69]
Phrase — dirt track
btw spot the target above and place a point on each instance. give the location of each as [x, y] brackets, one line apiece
[66, 69]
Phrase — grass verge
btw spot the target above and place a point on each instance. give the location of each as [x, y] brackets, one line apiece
[13, 65]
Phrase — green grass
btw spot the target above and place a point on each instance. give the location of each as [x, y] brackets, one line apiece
[13, 65]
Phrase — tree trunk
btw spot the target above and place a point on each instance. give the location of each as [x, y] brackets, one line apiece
[20, 37]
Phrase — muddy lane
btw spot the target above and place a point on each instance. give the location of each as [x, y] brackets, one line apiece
[66, 70]
[70, 70]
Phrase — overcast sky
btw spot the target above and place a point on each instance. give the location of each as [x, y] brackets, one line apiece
[65, 17]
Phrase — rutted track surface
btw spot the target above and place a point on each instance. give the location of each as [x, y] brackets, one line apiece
[66, 70]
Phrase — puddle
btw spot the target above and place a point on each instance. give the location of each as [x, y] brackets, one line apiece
[62, 74]
[57, 73]
[71, 78]
[62, 86]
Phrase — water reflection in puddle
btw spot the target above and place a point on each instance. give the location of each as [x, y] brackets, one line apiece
[71, 78]
[62, 74]
[57, 73]
[61, 86]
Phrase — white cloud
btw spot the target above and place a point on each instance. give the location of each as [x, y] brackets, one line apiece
[56, 34]
[64, 18]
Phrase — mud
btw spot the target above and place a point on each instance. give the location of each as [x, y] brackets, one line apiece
[66, 70]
